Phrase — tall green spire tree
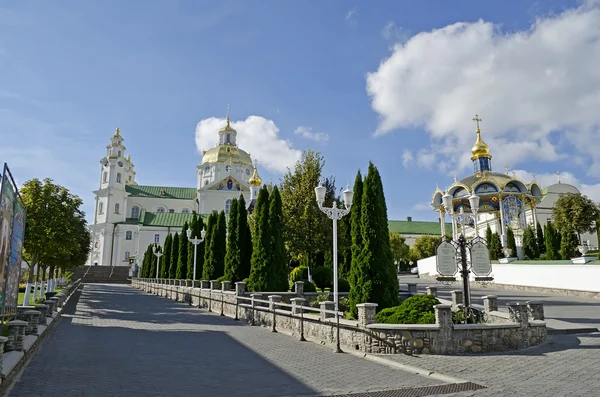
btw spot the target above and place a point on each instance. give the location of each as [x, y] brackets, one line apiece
[488, 235]
[245, 239]
[208, 268]
[147, 261]
[190, 248]
[530, 248]
[261, 254]
[174, 256]
[541, 243]
[278, 272]
[357, 272]
[232, 257]
[218, 244]
[182, 260]
[511, 242]
[165, 262]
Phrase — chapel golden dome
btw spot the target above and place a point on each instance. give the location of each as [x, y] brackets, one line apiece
[480, 149]
[255, 179]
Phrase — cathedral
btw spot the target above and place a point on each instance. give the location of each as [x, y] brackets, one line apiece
[129, 216]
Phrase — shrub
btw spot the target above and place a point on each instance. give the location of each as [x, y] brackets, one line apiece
[323, 277]
[299, 273]
[343, 285]
[308, 286]
[417, 309]
[220, 279]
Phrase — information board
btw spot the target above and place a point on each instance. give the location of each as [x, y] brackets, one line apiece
[446, 259]
[480, 260]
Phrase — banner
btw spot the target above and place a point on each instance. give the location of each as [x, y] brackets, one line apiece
[13, 269]
[7, 197]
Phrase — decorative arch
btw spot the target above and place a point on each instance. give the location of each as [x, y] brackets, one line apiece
[456, 188]
[186, 210]
[486, 188]
[536, 190]
[135, 212]
[436, 200]
[161, 209]
[515, 186]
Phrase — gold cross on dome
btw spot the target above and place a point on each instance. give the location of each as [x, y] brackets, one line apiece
[228, 109]
[476, 119]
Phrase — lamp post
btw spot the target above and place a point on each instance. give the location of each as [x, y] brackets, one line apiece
[447, 203]
[158, 255]
[474, 201]
[334, 214]
[195, 241]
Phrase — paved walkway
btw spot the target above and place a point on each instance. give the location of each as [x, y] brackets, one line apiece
[123, 342]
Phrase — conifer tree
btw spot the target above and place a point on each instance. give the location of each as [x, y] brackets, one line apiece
[495, 246]
[550, 237]
[220, 245]
[261, 243]
[245, 239]
[147, 261]
[379, 282]
[346, 252]
[357, 273]
[165, 262]
[511, 242]
[190, 249]
[568, 244]
[182, 260]
[174, 256]
[541, 243]
[278, 267]
[488, 235]
[530, 248]
[201, 248]
[207, 268]
[232, 257]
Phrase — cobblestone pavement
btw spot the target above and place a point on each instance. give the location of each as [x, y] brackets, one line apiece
[123, 342]
[567, 365]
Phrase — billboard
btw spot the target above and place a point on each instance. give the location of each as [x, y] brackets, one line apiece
[13, 268]
[7, 197]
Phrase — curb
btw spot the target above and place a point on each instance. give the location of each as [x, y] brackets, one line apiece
[571, 331]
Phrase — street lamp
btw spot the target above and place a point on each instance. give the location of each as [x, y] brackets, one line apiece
[195, 241]
[158, 255]
[447, 202]
[334, 214]
[474, 201]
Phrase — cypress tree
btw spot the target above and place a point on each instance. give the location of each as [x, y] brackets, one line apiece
[379, 284]
[530, 249]
[568, 244]
[220, 241]
[165, 262]
[541, 243]
[232, 257]
[510, 242]
[488, 235]
[549, 237]
[346, 254]
[245, 239]
[183, 250]
[278, 272]
[357, 273]
[147, 261]
[207, 268]
[174, 256]
[262, 243]
[190, 249]
[495, 246]
[200, 253]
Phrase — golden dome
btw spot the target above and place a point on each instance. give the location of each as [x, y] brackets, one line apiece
[255, 179]
[226, 154]
[480, 148]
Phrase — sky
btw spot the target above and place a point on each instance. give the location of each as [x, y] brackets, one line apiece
[397, 84]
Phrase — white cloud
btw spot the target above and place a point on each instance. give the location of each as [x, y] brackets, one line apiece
[407, 158]
[308, 133]
[421, 207]
[256, 135]
[393, 32]
[547, 179]
[531, 87]
[426, 159]
[352, 16]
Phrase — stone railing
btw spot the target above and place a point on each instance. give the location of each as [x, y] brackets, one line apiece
[524, 326]
[25, 332]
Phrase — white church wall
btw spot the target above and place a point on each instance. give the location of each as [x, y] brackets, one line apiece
[216, 199]
[152, 204]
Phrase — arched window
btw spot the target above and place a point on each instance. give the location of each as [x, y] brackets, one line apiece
[100, 207]
[116, 208]
[118, 177]
[135, 212]
[227, 206]
[161, 209]
[185, 211]
[104, 177]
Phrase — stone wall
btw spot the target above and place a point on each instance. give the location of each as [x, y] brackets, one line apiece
[290, 315]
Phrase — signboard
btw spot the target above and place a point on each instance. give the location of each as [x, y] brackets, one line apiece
[13, 267]
[7, 197]
[480, 260]
[446, 259]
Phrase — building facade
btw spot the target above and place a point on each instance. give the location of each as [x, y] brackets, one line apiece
[129, 216]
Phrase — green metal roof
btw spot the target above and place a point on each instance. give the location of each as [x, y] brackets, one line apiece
[181, 193]
[417, 227]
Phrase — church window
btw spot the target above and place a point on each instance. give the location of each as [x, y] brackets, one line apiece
[228, 140]
[185, 211]
[157, 238]
[227, 206]
[119, 153]
[207, 168]
[104, 176]
[100, 207]
[135, 212]
[116, 208]
[118, 177]
[227, 168]
[129, 178]
[128, 235]
[171, 210]
[160, 209]
[127, 255]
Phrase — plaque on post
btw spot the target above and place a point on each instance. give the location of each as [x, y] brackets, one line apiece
[446, 259]
[480, 260]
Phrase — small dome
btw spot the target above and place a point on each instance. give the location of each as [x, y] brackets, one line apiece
[480, 149]
[227, 127]
[255, 179]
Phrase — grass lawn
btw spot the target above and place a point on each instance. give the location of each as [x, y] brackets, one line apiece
[21, 297]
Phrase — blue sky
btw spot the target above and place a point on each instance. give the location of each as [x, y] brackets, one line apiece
[396, 84]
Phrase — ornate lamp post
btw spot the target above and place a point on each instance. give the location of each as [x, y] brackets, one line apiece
[334, 214]
[195, 241]
[447, 203]
[474, 201]
[158, 255]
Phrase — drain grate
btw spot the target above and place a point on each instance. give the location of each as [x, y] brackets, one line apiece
[421, 391]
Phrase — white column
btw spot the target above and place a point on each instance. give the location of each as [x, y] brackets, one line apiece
[502, 226]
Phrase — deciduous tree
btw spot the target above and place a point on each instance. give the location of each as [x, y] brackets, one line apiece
[575, 212]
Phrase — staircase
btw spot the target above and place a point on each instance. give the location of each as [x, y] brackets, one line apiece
[103, 274]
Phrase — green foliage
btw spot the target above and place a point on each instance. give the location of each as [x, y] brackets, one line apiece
[232, 257]
[357, 271]
[424, 247]
[343, 285]
[208, 267]
[575, 212]
[190, 248]
[174, 256]
[217, 246]
[245, 239]
[568, 244]
[308, 286]
[261, 254]
[299, 273]
[541, 243]
[549, 239]
[183, 251]
[165, 263]
[200, 250]
[511, 242]
[323, 277]
[277, 274]
[400, 250]
[147, 262]
[495, 247]
[530, 248]
[345, 246]
[376, 279]
[488, 235]
[417, 309]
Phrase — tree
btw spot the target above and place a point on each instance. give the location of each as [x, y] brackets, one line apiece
[345, 244]
[208, 266]
[245, 239]
[552, 242]
[575, 212]
[261, 254]
[424, 247]
[174, 256]
[190, 248]
[541, 243]
[215, 267]
[232, 257]
[201, 248]
[357, 272]
[511, 242]
[278, 267]
[495, 247]
[530, 248]
[147, 261]
[377, 282]
[400, 250]
[306, 229]
[488, 235]
[568, 244]
[165, 263]
[183, 250]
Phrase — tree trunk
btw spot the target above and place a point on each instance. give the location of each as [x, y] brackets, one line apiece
[30, 277]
